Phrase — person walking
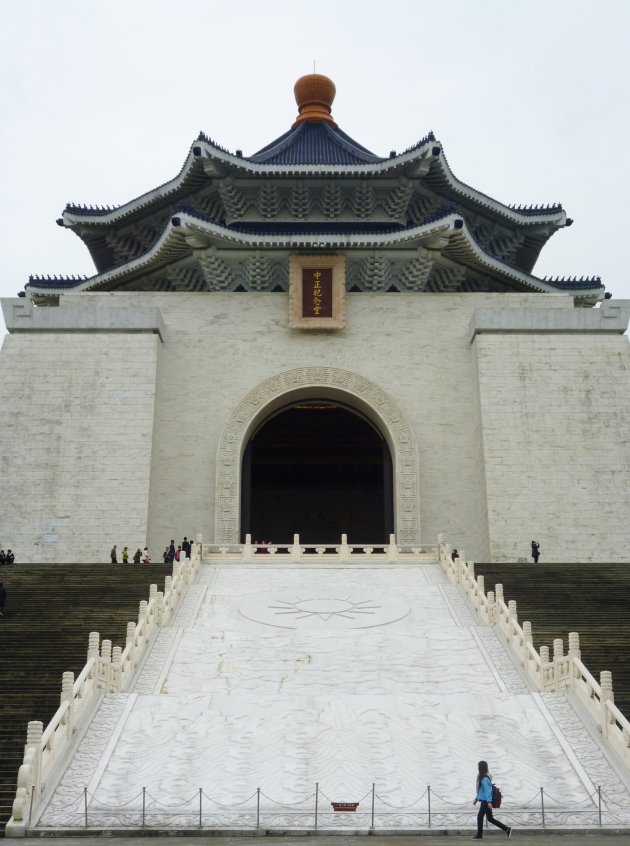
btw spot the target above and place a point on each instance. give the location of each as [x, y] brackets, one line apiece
[137, 556]
[114, 555]
[3, 598]
[484, 795]
[125, 555]
[535, 551]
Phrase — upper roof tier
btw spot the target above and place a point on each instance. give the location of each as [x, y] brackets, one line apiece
[315, 178]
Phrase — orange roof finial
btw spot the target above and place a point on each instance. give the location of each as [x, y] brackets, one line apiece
[314, 94]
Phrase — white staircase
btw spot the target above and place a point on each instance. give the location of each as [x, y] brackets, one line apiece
[277, 690]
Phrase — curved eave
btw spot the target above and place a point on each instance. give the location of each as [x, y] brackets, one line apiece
[439, 175]
[97, 217]
[463, 248]
[172, 245]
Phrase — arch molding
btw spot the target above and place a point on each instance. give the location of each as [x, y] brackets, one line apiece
[326, 382]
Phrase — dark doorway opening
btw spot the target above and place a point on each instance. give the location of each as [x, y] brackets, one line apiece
[317, 468]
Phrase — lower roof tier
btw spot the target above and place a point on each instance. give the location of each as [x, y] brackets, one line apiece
[194, 254]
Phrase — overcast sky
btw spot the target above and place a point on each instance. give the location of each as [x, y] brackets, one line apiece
[101, 101]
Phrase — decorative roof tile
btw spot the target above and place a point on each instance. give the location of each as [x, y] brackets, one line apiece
[314, 143]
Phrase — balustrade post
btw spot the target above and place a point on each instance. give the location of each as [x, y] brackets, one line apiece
[527, 639]
[94, 639]
[544, 669]
[168, 599]
[199, 545]
[574, 652]
[152, 592]
[478, 599]
[558, 655]
[440, 543]
[492, 609]
[33, 749]
[343, 551]
[143, 611]
[392, 549]
[116, 670]
[159, 608]
[498, 592]
[248, 550]
[296, 550]
[105, 666]
[67, 695]
[607, 695]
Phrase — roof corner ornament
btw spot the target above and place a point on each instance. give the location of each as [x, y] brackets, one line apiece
[314, 95]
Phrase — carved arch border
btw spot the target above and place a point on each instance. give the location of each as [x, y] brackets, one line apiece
[325, 382]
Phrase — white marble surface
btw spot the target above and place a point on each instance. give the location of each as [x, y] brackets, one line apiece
[231, 704]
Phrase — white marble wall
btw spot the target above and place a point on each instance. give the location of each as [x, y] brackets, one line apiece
[75, 443]
[87, 435]
[556, 441]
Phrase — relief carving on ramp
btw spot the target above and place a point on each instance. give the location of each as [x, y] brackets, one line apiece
[337, 609]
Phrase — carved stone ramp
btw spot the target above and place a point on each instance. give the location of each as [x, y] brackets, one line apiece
[278, 691]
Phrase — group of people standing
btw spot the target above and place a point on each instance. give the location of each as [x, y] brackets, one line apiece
[6, 557]
[172, 553]
[139, 557]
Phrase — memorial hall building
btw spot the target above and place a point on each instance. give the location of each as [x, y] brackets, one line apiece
[315, 339]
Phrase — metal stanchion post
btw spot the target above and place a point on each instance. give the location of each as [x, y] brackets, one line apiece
[599, 802]
[144, 805]
[316, 800]
[258, 807]
[373, 792]
[200, 794]
[542, 805]
[429, 802]
[85, 805]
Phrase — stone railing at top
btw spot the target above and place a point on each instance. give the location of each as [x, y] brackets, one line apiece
[548, 672]
[295, 552]
[108, 670]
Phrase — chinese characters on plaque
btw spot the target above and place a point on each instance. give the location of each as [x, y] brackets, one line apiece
[317, 292]
[317, 287]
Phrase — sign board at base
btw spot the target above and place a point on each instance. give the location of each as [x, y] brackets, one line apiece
[345, 806]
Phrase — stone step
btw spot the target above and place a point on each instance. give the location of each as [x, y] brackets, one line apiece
[49, 613]
[591, 599]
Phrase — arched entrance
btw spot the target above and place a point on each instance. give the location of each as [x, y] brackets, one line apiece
[337, 386]
[318, 468]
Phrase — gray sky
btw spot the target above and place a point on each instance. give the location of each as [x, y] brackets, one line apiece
[101, 101]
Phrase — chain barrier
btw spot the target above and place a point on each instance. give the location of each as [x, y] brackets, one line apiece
[598, 801]
[400, 807]
[170, 807]
[289, 804]
[112, 807]
[590, 798]
[446, 802]
[235, 805]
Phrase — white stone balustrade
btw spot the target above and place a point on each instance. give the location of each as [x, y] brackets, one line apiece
[548, 673]
[108, 670]
[297, 551]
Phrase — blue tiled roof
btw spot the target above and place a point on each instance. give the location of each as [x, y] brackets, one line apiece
[314, 143]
